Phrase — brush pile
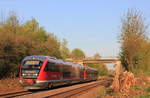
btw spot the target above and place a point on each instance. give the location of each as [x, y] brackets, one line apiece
[123, 80]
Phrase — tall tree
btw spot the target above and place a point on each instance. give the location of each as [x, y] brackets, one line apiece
[31, 25]
[34, 31]
[64, 49]
[96, 56]
[11, 24]
[77, 54]
[20, 40]
[133, 39]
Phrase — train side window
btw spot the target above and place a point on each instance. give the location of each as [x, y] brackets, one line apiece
[66, 71]
[51, 67]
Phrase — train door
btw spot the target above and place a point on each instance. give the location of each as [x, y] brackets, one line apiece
[52, 71]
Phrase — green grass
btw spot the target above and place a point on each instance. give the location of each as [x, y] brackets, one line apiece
[145, 96]
[137, 87]
[148, 89]
[145, 89]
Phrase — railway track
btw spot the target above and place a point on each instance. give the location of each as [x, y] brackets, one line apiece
[80, 90]
[73, 92]
[15, 94]
[62, 94]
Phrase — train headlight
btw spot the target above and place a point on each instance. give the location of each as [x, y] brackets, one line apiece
[23, 74]
[36, 74]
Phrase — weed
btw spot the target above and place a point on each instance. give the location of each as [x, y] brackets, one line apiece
[137, 87]
[148, 89]
[145, 96]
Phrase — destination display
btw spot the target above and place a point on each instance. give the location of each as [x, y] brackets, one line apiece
[32, 62]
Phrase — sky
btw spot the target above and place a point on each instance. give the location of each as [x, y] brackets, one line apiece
[91, 25]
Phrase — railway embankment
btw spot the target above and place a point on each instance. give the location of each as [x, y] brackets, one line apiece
[141, 88]
[10, 85]
[88, 90]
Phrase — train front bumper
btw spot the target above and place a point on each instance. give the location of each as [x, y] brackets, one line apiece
[37, 85]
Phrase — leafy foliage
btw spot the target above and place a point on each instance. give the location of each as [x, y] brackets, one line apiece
[20, 40]
[96, 56]
[65, 53]
[77, 54]
[135, 51]
[102, 69]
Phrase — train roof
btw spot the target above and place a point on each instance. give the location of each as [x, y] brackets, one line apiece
[34, 58]
[52, 59]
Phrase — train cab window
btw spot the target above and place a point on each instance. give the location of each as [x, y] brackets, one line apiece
[31, 68]
[30, 64]
[51, 67]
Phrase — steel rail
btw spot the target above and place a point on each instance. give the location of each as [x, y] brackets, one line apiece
[76, 91]
[15, 94]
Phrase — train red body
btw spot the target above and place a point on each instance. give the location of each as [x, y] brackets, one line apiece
[38, 72]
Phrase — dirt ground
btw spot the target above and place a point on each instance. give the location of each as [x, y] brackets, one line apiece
[10, 85]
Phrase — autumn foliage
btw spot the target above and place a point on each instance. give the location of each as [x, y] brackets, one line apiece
[135, 45]
[18, 40]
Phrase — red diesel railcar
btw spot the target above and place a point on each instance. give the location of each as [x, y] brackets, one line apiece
[38, 72]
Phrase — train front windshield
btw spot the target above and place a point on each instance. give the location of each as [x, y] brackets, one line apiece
[31, 68]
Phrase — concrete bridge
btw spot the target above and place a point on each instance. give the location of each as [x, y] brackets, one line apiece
[117, 62]
[84, 61]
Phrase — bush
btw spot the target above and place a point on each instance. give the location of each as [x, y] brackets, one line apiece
[102, 69]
